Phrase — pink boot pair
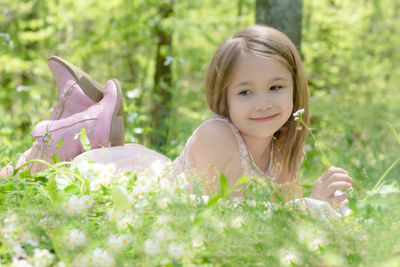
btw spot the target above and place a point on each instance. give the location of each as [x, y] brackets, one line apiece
[82, 104]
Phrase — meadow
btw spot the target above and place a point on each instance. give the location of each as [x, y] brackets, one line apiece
[88, 214]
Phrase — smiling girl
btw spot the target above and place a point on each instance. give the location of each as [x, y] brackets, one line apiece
[254, 84]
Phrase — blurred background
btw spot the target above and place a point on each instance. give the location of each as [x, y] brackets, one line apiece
[160, 51]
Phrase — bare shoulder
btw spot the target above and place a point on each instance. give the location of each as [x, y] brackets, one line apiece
[213, 144]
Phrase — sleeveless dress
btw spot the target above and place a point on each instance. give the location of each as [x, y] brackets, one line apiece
[135, 157]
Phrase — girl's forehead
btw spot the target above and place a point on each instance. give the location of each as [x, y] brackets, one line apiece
[253, 65]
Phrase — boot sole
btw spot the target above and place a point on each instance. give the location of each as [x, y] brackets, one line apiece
[117, 131]
[91, 88]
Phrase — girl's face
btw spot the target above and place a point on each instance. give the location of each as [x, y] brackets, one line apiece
[259, 96]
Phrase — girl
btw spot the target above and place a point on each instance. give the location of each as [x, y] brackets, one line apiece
[254, 84]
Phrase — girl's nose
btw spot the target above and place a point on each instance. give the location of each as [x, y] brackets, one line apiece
[263, 103]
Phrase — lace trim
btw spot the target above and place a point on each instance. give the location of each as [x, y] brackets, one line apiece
[245, 156]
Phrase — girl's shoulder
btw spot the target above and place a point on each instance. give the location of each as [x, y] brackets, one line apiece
[215, 135]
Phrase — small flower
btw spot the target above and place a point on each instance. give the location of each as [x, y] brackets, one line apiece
[163, 203]
[221, 227]
[178, 250]
[163, 234]
[162, 220]
[101, 257]
[75, 239]
[125, 222]
[95, 185]
[117, 242]
[42, 257]
[289, 259]
[168, 60]
[151, 247]
[197, 242]
[298, 113]
[157, 167]
[315, 244]
[237, 222]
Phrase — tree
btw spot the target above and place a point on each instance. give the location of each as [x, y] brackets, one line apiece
[162, 80]
[284, 15]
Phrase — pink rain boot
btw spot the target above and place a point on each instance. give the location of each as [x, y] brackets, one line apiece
[76, 90]
[104, 124]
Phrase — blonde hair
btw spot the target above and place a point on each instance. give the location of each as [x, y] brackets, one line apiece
[268, 42]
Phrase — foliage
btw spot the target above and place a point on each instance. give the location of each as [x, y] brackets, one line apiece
[88, 215]
[350, 57]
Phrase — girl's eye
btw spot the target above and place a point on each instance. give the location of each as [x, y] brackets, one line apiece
[245, 92]
[275, 88]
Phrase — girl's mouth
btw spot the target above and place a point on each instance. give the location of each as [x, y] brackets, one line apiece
[262, 119]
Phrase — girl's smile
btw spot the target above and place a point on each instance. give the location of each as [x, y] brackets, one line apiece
[262, 119]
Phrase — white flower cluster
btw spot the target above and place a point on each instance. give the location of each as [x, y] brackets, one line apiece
[298, 117]
[98, 174]
[100, 257]
[75, 239]
[313, 238]
[153, 181]
[78, 205]
[116, 243]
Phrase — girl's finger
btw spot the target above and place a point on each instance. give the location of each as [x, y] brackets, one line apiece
[336, 186]
[335, 201]
[338, 177]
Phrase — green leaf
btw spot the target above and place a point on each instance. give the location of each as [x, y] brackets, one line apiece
[51, 188]
[84, 139]
[27, 193]
[224, 185]
[395, 133]
[25, 174]
[60, 143]
[121, 202]
[55, 158]
[213, 200]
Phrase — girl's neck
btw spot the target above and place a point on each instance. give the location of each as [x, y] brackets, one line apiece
[260, 149]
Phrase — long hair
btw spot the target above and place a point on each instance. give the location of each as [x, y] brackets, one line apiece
[267, 42]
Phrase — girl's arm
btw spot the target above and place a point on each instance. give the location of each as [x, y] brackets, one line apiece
[214, 150]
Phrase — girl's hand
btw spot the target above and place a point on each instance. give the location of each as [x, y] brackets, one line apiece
[331, 180]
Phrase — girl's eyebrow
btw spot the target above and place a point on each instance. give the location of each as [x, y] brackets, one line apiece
[272, 80]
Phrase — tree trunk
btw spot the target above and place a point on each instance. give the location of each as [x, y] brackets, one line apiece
[284, 15]
[162, 94]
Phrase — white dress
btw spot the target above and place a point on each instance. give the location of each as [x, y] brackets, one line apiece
[135, 157]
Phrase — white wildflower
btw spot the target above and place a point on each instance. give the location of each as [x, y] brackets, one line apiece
[162, 220]
[101, 257]
[315, 244]
[117, 242]
[29, 238]
[237, 222]
[298, 113]
[10, 219]
[221, 227]
[178, 250]
[151, 247]
[288, 259]
[78, 205]
[42, 257]
[157, 168]
[75, 239]
[95, 185]
[168, 60]
[163, 234]
[20, 263]
[163, 203]
[197, 242]
[125, 222]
